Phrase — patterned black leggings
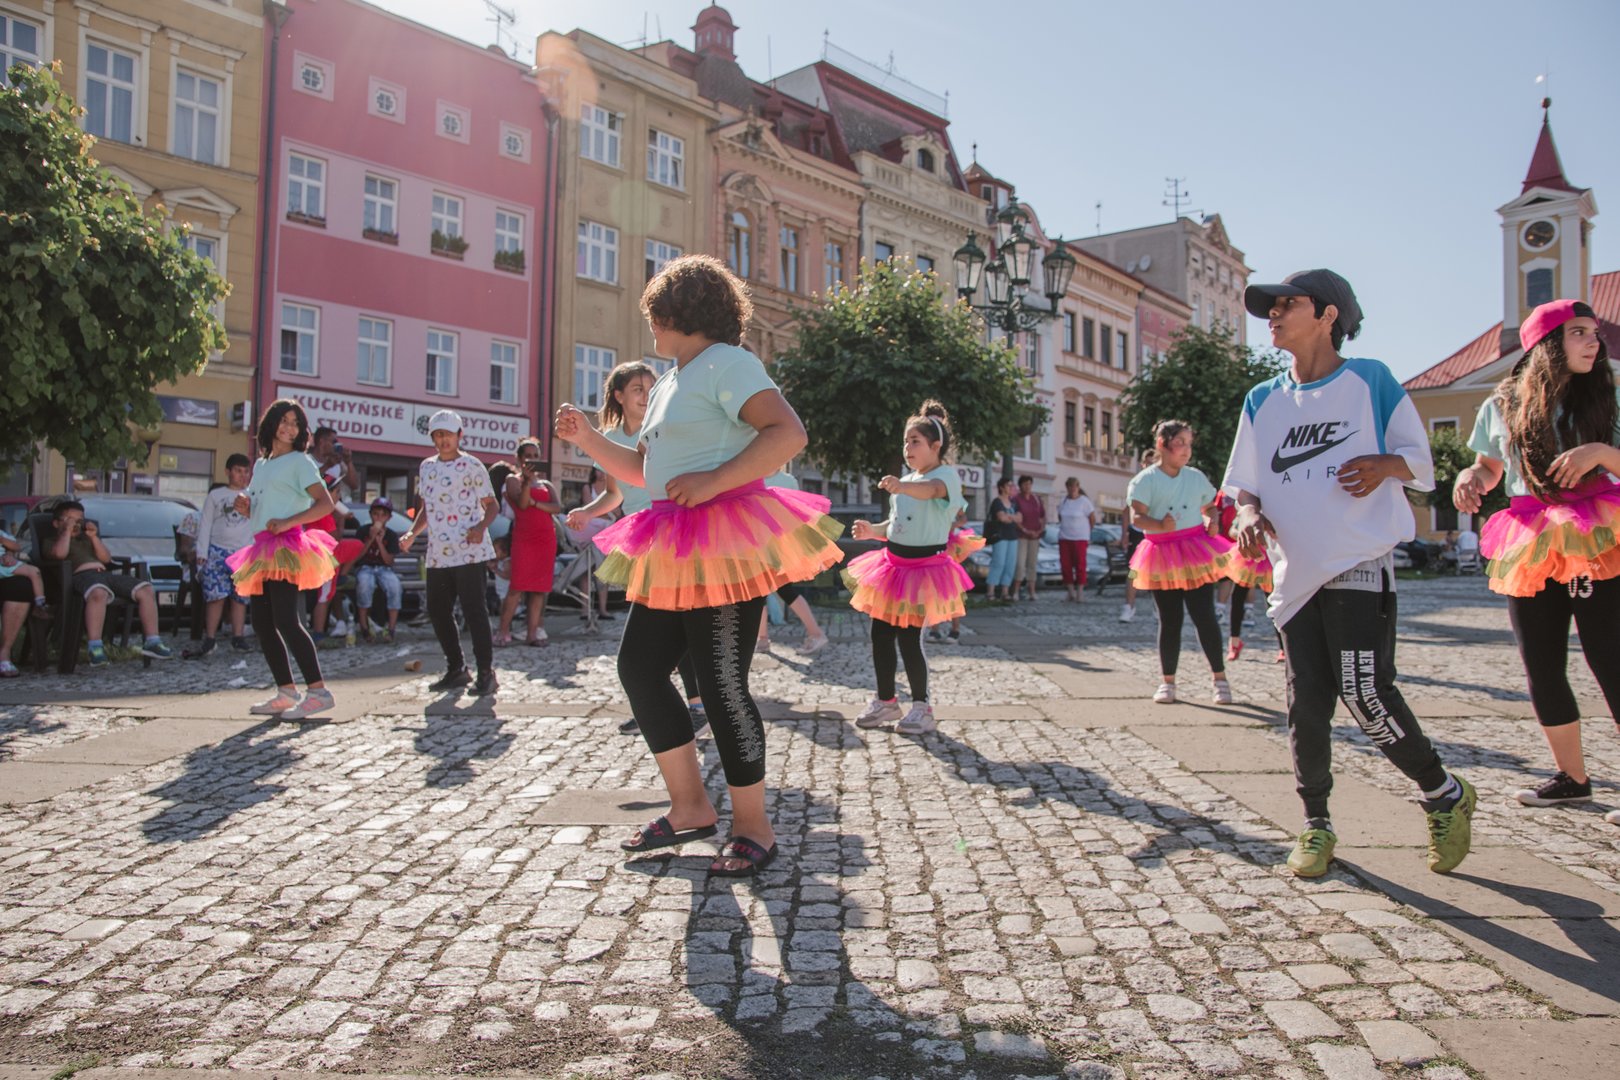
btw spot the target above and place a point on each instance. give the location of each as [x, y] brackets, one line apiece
[720, 643]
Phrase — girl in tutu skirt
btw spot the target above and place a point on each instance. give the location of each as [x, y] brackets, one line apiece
[697, 563]
[1551, 432]
[1179, 559]
[913, 580]
[285, 495]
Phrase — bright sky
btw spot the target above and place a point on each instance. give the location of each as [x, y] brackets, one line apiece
[1375, 138]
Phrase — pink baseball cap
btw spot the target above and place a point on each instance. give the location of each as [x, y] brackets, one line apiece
[1549, 317]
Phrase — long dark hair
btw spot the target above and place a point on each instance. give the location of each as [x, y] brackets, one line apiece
[271, 420]
[611, 414]
[1547, 407]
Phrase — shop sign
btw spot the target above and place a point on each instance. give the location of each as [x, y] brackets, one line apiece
[576, 474]
[1109, 501]
[972, 475]
[404, 422]
[185, 410]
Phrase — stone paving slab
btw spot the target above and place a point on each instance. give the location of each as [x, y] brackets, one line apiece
[1495, 882]
[1574, 962]
[1219, 749]
[21, 782]
[1363, 816]
[1517, 1049]
[1114, 713]
[153, 741]
[595, 806]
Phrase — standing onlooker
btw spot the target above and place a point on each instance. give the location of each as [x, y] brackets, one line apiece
[374, 567]
[1002, 531]
[336, 464]
[534, 544]
[454, 506]
[1076, 516]
[222, 532]
[73, 539]
[1031, 526]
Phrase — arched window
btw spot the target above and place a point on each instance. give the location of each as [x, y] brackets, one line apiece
[738, 240]
[1538, 287]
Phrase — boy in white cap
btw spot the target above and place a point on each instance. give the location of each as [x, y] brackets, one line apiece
[454, 506]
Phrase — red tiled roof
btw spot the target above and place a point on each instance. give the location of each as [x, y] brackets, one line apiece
[1487, 347]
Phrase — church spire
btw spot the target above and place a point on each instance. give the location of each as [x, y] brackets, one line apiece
[1546, 171]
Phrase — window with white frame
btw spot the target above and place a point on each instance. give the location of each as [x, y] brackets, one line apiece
[210, 248]
[658, 364]
[592, 363]
[599, 134]
[1122, 341]
[788, 270]
[374, 353]
[441, 362]
[659, 253]
[666, 159]
[312, 76]
[381, 213]
[508, 231]
[503, 367]
[386, 100]
[306, 186]
[598, 252]
[1031, 352]
[515, 141]
[1107, 431]
[1068, 334]
[111, 88]
[446, 214]
[300, 338]
[19, 42]
[454, 122]
[832, 274]
[739, 244]
[197, 102]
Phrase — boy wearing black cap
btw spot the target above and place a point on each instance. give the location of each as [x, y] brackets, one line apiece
[1320, 444]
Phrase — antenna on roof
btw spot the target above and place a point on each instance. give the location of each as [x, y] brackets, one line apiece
[826, 39]
[947, 104]
[975, 153]
[1099, 217]
[770, 70]
[1176, 195]
[503, 18]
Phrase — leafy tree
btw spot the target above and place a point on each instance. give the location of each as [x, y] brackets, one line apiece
[873, 352]
[99, 303]
[1202, 379]
[1451, 456]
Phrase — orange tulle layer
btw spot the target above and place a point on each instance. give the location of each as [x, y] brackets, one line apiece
[738, 546]
[964, 543]
[907, 592]
[1534, 542]
[1184, 559]
[1250, 573]
[303, 557]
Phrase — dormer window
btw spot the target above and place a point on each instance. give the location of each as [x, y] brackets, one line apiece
[925, 160]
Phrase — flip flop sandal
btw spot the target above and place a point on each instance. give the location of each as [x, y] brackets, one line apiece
[740, 847]
[661, 834]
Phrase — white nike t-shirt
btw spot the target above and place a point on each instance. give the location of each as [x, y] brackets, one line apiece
[1291, 441]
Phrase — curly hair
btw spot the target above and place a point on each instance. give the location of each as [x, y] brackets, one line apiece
[933, 423]
[1166, 430]
[696, 294]
[1548, 408]
[611, 414]
[271, 420]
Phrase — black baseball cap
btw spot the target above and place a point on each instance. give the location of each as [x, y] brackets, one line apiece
[1322, 285]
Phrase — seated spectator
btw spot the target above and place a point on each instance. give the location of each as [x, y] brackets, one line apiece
[14, 608]
[375, 566]
[11, 565]
[72, 539]
[222, 532]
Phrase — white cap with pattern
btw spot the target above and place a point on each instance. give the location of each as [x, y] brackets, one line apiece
[444, 420]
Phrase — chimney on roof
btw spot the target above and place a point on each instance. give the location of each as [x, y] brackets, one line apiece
[714, 34]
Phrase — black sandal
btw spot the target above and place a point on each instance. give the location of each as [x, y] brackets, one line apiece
[740, 847]
[661, 834]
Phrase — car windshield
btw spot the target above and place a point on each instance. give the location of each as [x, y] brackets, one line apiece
[144, 519]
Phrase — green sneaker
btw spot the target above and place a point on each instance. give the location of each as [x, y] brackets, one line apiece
[1452, 831]
[97, 655]
[1312, 853]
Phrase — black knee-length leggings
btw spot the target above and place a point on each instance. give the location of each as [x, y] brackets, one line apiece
[1240, 601]
[278, 620]
[886, 637]
[1541, 624]
[720, 644]
[1200, 604]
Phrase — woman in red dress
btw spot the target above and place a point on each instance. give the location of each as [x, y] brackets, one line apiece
[534, 543]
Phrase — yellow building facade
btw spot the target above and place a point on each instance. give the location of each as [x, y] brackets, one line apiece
[172, 91]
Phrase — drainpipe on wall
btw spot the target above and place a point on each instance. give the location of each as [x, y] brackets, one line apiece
[277, 14]
[546, 350]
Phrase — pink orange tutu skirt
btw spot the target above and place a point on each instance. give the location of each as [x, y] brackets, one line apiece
[738, 546]
[301, 556]
[1250, 573]
[1533, 542]
[963, 543]
[907, 592]
[1184, 559]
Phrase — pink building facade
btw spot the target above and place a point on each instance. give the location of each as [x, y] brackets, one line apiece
[407, 240]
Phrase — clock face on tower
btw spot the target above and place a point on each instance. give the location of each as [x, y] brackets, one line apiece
[1538, 234]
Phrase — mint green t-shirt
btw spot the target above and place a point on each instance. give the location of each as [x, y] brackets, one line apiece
[1185, 494]
[693, 421]
[280, 487]
[926, 522]
[1490, 438]
[632, 498]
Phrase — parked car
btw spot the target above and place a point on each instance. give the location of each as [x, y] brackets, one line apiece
[137, 527]
[14, 510]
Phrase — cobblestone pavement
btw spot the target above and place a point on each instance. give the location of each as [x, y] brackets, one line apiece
[1036, 890]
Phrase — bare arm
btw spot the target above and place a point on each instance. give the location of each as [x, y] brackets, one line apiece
[623, 463]
[1147, 524]
[1468, 490]
[58, 548]
[607, 500]
[917, 489]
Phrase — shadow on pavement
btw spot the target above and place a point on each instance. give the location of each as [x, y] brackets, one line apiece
[19, 722]
[221, 779]
[457, 739]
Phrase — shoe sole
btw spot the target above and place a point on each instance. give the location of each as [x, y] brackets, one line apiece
[872, 725]
[1532, 800]
[1307, 874]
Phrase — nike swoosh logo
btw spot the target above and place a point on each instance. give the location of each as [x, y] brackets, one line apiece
[1283, 464]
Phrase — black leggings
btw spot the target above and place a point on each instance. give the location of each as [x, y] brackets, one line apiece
[885, 637]
[1240, 600]
[1200, 604]
[1541, 623]
[445, 586]
[719, 642]
[279, 623]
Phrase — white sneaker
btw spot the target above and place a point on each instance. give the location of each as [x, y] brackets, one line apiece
[1127, 613]
[1223, 692]
[315, 701]
[1165, 694]
[1612, 817]
[919, 721]
[878, 714]
[813, 645]
[276, 705]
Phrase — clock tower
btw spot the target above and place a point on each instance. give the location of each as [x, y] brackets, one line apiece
[1546, 238]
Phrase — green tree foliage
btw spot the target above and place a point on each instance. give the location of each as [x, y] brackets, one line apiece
[1451, 456]
[870, 354]
[99, 303]
[1202, 379]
